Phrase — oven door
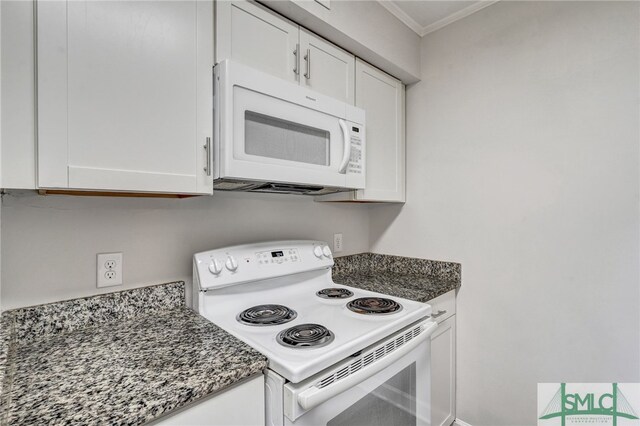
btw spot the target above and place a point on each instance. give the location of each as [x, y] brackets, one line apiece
[394, 393]
[274, 131]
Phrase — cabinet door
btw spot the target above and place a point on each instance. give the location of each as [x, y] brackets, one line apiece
[18, 128]
[326, 68]
[443, 373]
[241, 405]
[382, 97]
[125, 95]
[248, 33]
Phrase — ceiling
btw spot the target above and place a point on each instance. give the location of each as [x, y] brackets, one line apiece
[425, 16]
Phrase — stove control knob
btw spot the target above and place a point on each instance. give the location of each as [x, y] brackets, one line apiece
[327, 251]
[231, 263]
[215, 267]
[317, 250]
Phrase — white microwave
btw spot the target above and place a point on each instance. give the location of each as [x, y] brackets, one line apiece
[271, 135]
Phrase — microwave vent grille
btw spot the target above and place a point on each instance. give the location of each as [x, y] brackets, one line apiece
[274, 188]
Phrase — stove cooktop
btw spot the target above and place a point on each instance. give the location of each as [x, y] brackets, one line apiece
[351, 331]
[300, 332]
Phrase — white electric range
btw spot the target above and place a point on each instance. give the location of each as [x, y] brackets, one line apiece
[337, 355]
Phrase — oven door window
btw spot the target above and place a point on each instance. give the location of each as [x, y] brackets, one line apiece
[392, 403]
[397, 395]
[271, 137]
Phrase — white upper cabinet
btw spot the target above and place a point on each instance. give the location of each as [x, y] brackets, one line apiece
[382, 97]
[18, 127]
[255, 36]
[125, 95]
[326, 68]
[252, 34]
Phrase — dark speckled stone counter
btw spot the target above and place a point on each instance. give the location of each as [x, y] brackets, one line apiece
[410, 278]
[121, 358]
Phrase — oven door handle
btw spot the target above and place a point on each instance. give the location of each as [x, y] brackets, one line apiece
[315, 396]
[347, 147]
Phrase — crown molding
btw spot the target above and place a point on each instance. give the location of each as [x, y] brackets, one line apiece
[462, 13]
[395, 10]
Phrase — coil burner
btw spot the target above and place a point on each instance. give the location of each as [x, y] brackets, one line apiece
[266, 315]
[334, 293]
[374, 306]
[305, 336]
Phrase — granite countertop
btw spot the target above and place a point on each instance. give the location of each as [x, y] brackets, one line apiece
[121, 358]
[411, 278]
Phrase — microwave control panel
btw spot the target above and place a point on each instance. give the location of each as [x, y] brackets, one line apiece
[357, 149]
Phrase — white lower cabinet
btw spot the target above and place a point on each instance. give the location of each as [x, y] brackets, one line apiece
[242, 405]
[443, 361]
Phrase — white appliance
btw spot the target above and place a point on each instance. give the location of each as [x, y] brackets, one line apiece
[337, 355]
[274, 136]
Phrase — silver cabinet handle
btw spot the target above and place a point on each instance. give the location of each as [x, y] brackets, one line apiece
[307, 58]
[296, 63]
[438, 314]
[207, 150]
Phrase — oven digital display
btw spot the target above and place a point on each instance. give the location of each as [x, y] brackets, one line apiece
[277, 254]
[355, 129]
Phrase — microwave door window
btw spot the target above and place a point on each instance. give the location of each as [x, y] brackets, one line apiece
[272, 137]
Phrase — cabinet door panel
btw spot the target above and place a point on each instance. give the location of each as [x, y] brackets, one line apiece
[241, 405]
[18, 95]
[135, 114]
[52, 94]
[382, 97]
[326, 68]
[253, 35]
[443, 366]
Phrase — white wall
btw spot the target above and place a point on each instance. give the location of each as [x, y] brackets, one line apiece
[50, 242]
[523, 164]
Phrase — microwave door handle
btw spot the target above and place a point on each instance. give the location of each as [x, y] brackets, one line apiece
[347, 147]
[315, 396]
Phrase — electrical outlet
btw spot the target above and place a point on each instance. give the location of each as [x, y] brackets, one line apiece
[109, 269]
[337, 243]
